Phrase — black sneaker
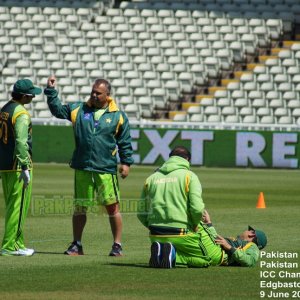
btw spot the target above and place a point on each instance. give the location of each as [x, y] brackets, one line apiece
[116, 250]
[154, 261]
[168, 256]
[74, 249]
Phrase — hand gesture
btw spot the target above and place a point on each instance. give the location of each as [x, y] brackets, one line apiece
[222, 242]
[51, 82]
[206, 217]
[25, 176]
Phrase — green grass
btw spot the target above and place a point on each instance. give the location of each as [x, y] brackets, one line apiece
[230, 196]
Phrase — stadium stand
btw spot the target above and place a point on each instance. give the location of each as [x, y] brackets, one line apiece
[218, 61]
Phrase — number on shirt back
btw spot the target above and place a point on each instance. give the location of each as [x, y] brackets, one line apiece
[3, 131]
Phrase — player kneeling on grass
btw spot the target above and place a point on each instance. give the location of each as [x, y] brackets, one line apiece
[181, 231]
[240, 251]
[171, 207]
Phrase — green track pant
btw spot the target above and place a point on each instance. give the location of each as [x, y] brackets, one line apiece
[189, 251]
[214, 251]
[17, 202]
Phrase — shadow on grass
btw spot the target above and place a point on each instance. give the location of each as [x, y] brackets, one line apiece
[48, 252]
[129, 265]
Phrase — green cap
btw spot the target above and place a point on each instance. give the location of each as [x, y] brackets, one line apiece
[261, 238]
[26, 87]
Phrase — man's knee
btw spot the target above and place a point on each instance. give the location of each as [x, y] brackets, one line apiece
[112, 209]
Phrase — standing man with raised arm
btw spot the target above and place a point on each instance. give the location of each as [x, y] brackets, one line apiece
[100, 130]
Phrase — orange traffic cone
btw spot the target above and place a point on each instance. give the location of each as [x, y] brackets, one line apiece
[261, 201]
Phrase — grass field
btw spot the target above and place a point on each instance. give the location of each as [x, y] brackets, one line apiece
[230, 196]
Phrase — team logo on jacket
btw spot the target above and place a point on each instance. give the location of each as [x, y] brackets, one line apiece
[87, 116]
[108, 120]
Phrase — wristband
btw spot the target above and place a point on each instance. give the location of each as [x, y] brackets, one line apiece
[231, 250]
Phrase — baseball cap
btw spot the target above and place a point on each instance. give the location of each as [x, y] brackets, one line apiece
[25, 86]
[261, 238]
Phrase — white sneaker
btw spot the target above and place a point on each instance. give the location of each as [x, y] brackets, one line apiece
[20, 252]
[26, 252]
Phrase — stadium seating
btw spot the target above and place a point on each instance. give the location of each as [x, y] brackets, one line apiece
[257, 91]
[158, 51]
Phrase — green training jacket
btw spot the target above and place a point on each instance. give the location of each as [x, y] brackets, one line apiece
[15, 137]
[171, 197]
[96, 142]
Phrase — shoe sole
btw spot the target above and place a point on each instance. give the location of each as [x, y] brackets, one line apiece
[16, 254]
[115, 254]
[166, 261]
[73, 253]
[155, 253]
[9, 254]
